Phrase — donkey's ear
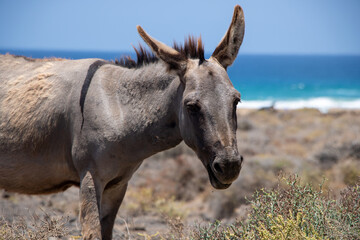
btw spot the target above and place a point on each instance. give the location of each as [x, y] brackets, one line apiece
[169, 55]
[227, 50]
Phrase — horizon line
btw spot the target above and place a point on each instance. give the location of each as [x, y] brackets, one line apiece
[8, 50]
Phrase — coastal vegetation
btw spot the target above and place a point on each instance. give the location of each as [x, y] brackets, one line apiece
[300, 178]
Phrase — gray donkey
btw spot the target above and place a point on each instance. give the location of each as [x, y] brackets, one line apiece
[91, 123]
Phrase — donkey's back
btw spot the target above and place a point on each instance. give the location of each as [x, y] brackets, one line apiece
[37, 105]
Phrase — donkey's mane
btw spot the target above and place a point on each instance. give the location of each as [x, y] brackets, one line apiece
[192, 48]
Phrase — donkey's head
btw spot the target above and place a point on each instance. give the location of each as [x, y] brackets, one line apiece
[207, 113]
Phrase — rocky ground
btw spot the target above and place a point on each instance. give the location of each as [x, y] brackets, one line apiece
[171, 190]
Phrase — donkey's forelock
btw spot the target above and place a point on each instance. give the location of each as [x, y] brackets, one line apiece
[192, 48]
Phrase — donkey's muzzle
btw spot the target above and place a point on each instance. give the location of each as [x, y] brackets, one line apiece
[227, 170]
[224, 170]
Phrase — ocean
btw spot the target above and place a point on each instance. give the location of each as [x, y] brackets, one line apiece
[283, 81]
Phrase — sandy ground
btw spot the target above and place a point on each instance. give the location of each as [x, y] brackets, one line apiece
[171, 189]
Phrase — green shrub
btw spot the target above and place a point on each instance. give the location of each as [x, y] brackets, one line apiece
[293, 211]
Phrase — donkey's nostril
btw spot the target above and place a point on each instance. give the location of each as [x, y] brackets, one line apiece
[217, 168]
[241, 159]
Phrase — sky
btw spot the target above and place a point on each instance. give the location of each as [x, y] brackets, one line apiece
[272, 26]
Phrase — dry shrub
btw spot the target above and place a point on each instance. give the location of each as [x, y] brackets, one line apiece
[350, 210]
[328, 157]
[244, 124]
[36, 228]
[314, 135]
[144, 201]
[177, 229]
[355, 150]
[222, 205]
[294, 149]
[182, 177]
[351, 172]
[312, 174]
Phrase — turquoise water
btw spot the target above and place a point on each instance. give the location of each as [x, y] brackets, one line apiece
[287, 81]
[297, 77]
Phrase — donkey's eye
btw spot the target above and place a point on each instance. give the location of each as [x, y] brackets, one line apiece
[193, 107]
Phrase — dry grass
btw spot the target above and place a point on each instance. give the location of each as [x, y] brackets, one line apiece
[144, 201]
[171, 190]
[36, 228]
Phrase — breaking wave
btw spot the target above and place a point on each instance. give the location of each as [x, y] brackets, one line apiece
[321, 103]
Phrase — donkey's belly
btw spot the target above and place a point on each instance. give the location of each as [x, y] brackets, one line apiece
[36, 175]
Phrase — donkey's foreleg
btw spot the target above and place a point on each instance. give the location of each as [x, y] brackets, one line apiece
[89, 208]
[110, 203]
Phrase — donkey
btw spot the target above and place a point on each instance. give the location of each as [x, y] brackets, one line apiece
[91, 123]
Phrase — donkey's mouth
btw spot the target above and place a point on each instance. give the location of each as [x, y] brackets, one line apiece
[215, 182]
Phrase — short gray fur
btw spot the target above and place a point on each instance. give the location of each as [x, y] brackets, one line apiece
[129, 115]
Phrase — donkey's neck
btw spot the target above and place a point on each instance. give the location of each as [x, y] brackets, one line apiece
[151, 98]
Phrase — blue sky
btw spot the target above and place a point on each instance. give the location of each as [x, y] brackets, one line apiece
[272, 26]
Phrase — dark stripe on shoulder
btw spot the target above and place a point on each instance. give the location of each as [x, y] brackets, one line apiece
[85, 87]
